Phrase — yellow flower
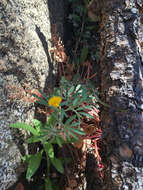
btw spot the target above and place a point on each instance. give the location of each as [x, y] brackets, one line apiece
[55, 101]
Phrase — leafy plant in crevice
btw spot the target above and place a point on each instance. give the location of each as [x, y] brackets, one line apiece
[68, 107]
[85, 28]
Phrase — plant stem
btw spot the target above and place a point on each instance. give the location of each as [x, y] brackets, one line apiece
[81, 31]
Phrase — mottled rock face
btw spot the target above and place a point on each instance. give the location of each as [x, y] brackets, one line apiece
[122, 88]
[25, 31]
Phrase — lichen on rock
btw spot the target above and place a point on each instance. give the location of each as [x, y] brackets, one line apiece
[25, 33]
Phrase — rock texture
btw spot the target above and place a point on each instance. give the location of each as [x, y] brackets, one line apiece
[25, 31]
[122, 88]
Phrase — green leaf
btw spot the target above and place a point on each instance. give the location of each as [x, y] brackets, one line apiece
[64, 103]
[76, 101]
[70, 120]
[90, 27]
[71, 90]
[79, 109]
[57, 92]
[33, 139]
[51, 120]
[87, 107]
[40, 101]
[63, 80]
[84, 54]
[58, 165]
[44, 95]
[86, 115]
[56, 114]
[78, 131]
[48, 184]
[26, 127]
[78, 87]
[75, 124]
[37, 124]
[73, 135]
[63, 114]
[49, 149]
[74, 17]
[67, 136]
[26, 158]
[58, 139]
[85, 95]
[34, 164]
[54, 140]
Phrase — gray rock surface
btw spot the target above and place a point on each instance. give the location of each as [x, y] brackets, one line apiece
[25, 31]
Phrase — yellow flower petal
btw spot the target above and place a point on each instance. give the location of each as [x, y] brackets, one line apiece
[55, 101]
